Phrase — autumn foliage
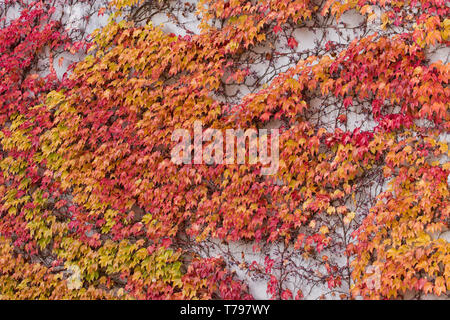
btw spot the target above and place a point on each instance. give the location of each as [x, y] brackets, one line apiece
[86, 178]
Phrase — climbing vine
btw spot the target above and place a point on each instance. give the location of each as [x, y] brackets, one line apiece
[359, 205]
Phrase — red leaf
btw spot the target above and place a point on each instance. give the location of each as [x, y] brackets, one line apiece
[277, 29]
[348, 102]
[292, 43]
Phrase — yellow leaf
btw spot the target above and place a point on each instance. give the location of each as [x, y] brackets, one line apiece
[324, 230]
[349, 217]
[371, 17]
